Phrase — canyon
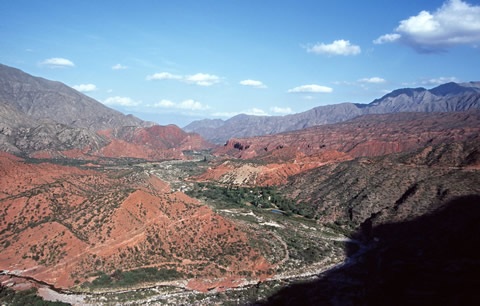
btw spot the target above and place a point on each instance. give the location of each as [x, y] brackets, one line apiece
[104, 208]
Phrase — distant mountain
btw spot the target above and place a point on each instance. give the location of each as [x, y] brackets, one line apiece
[39, 98]
[444, 98]
[45, 119]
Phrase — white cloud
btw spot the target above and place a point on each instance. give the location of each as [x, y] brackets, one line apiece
[311, 88]
[385, 91]
[163, 76]
[338, 47]
[454, 23]
[439, 81]
[202, 79]
[252, 111]
[192, 105]
[387, 38]
[57, 62]
[119, 67]
[164, 104]
[225, 114]
[85, 87]
[123, 101]
[373, 80]
[281, 110]
[256, 112]
[253, 83]
[184, 105]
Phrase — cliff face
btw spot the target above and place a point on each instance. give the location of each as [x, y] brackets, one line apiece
[370, 135]
[444, 98]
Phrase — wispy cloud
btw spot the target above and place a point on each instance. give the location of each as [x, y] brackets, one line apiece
[252, 111]
[85, 87]
[372, 80]
[455, 23]
[387, 38]
[281, 110]
[200, 79]
[338, 47]
[256, 112]
[311, 89]
[189, 104]
[122, 101]
[225, 114]
[253, 83]
[119, 67]
[163, 76]
[439, 81]
[57, 62]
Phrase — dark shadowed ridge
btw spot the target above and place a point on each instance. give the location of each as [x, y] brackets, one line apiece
[444, 98]
[430, 260]
[38, 98]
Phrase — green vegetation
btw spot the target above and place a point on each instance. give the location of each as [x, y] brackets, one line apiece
[261, 197]
[126, 279]
[345, 228]
[27, 297]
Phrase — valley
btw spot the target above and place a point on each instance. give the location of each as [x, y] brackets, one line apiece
[103, 208]
[285, 247]
[268, 240]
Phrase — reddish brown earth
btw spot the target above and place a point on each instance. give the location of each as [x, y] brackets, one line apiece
[61, 224]
[153, 143]
[371, 135]
[270, 170]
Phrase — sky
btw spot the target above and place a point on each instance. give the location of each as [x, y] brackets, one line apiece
[179, 61]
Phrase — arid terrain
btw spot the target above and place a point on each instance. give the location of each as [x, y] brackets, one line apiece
[210, 228]
[109, 209]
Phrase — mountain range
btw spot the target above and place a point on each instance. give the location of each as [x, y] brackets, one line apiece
[444, 98]
[43, 118]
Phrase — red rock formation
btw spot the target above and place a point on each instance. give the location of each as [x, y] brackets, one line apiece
[153, 143]
[370, 135]
[274, 170]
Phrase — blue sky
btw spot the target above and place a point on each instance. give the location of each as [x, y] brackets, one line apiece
[177, 61]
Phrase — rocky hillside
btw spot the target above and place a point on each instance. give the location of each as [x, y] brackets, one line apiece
[39, 98]
[444, 98]
[153, 143]
[63, 224]
[370, 135]
[390, 188]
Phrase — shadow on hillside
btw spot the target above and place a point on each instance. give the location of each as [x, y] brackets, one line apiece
[432, 260]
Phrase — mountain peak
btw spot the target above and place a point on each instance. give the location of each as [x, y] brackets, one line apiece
[41, 98]
[450, 88]
[444, 98]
